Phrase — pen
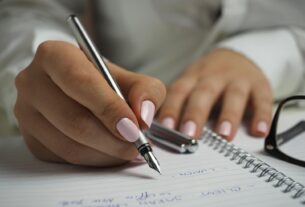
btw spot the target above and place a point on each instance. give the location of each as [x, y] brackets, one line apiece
[171, 139]
[92, 53]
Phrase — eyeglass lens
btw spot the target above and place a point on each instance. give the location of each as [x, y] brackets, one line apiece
[290, 134]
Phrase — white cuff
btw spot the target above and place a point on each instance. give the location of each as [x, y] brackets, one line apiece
[276, 53]
[42, 35]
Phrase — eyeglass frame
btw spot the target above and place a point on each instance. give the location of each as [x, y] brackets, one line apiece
[271, 145]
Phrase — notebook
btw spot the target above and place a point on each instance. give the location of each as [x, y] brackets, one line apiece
[218, 174]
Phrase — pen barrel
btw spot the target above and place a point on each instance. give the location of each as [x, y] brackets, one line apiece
[91, 51]
[176, 146]
[172, 139]
[141, 141]
[94, 56]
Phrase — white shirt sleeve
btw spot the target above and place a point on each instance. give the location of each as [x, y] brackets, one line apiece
[276, 53]
[26, 26]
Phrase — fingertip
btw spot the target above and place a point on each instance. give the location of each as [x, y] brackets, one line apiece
[189, 128]
[259, 129]
[168, 122]
[127, 129]
[226, 130]
[147, 112]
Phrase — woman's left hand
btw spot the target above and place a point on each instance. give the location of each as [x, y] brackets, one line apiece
[226, 77]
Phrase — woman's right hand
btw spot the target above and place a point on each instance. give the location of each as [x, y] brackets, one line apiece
[67, 112]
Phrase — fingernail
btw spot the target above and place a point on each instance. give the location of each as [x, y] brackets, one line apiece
[189, 128]
[147, 112]
[168, 122]
[225, 128]
[128, 129]
[262, 127]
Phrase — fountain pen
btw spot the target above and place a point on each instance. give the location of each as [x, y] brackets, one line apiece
[91, 51]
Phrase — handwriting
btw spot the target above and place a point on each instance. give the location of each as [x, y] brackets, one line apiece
[146, 198]
[222, 191]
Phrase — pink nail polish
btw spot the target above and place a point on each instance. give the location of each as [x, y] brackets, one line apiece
[262, 127]
[147, 112]
[168, 122]
[225, 128]
[128, 129]
[189, 128]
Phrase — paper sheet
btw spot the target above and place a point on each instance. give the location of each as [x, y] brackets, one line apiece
[205, 178]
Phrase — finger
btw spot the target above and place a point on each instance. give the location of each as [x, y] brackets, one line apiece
[262, 110]
[39, 150]
[177, 94]
[75, 121]
[64, 147]
[145, 94]
[234, 103]
[199, 105]
[71, 71]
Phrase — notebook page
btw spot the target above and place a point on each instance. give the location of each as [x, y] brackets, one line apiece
[203, 178]
[255, 146]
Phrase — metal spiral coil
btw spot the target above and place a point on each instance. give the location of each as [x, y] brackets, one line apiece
[257, 166]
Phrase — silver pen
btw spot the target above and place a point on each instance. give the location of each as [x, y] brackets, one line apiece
[171, 139]
[92, 53]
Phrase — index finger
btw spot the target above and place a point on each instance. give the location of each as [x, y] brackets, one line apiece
[78, 78]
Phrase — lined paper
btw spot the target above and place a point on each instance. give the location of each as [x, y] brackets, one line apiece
[205, 178]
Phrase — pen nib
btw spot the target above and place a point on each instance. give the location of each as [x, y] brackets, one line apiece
[152, 161]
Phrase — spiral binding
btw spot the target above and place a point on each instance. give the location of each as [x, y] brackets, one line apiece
[255, 165]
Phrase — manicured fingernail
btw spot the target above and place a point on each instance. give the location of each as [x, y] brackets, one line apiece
[128, 129]
[147, 112]
[189, 128]
[225, 128]
[168, 122]
[262, 127]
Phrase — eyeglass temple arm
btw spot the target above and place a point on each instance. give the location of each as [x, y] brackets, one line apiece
[291, 133]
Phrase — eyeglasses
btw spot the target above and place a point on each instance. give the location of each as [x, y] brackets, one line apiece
[286, 139]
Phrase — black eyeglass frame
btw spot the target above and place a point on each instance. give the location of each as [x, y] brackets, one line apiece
[271, 145]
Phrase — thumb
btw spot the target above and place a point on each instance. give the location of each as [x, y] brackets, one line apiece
[144, 94]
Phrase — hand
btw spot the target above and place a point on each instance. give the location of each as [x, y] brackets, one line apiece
[67, 112]
[221, 76]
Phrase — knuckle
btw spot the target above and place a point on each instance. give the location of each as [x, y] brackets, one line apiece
[238, 91]
[78, 77]
[81, 126]
[21, 80]
[207, 87]
[44, 49]
[111, 110]
[158, 85]
[177, 88]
